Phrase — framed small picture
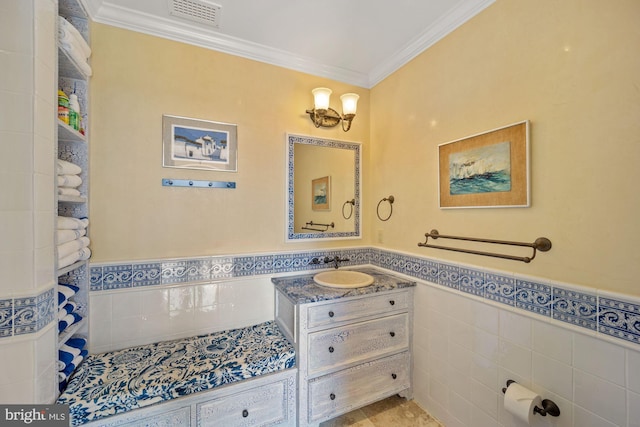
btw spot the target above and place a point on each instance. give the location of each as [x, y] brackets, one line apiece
[321, 194]
[486, 170]
[199, 144]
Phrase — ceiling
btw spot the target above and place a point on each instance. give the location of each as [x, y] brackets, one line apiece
[359, 42]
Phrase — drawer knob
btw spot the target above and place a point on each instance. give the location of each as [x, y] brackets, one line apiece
[394, 376]
[393, 334]
[331, 349]
[245, 413]
[331, 314]
[332, 396]
[392, 302]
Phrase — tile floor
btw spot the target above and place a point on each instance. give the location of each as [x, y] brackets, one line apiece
[394, 411]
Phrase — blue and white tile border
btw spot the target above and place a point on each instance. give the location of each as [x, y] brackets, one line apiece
[613, 315]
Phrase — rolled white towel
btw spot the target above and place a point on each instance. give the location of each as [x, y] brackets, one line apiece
[69, 34]
[64, 191]
[68, 248]
[64, 236]
[81, 255]
[72, 181]
[67, 168]
[77, 60]
[70, 223]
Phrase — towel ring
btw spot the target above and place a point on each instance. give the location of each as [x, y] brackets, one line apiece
[351, 202]
[389, 199]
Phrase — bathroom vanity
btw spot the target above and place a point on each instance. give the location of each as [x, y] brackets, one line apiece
[353, 346]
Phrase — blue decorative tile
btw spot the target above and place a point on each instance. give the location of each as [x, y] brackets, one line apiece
[532, 296]
[199, 270]
[500, 288]
[264, 264]
[174, 272]
[449, 276]
[46, 307]
[116, 276]
[620, 319]
[95, 278]
[6, 318]
[221, 267]
[25, 315]
[575, 307]
[244, 266]
[399, 263]
[428, 271]
[145, 274]
[290, 262]
[412, 266]
[472, 281]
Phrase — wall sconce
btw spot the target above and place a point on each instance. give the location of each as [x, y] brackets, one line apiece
[323, 115]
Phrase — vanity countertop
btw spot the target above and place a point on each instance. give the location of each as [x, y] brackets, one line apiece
[302, 289]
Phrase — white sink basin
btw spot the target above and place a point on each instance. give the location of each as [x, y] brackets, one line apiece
[343, 279]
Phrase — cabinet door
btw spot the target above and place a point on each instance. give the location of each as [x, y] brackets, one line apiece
[260, 406]
[339, 393]
[357, 342]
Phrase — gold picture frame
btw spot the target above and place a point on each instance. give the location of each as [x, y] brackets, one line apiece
[321, 194]
[486, 170]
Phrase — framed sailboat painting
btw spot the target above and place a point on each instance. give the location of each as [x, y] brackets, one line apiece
[486, 170]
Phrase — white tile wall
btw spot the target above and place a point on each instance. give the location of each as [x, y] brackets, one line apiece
[27, 128]
[124, 318]
[595, 382]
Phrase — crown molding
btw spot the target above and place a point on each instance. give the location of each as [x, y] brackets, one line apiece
[108, 13]
[464, 11]
[175, 30]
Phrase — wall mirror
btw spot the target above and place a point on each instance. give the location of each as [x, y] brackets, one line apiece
[323, 189]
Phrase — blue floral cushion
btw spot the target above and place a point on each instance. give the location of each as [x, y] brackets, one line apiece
[115, 382]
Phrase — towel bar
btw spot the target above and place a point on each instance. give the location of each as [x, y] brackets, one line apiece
[541, 244]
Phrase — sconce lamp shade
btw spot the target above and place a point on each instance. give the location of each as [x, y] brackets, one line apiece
[321, 98]
[349, 103]
[325, 116]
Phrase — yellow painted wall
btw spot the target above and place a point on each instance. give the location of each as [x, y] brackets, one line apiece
[138, 78]
[572, 68]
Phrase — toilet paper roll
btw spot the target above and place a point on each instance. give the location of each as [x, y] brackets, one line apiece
[520, 401]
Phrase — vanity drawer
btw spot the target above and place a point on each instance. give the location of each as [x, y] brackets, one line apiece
[356, 342]
[329, 314]
[259, 406]
[358, 386]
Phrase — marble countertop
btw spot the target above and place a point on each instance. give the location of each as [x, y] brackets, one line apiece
[302, 289]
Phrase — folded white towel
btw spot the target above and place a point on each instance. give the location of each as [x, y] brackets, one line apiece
[69, 34]
[64, 191]
[81, 255]
[70, 223]
[68, 248]
[71, 181]
[67, 168]
[64, 236]
[68, 308]
[65, 292]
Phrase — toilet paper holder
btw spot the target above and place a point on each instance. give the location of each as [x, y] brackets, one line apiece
[548, 406]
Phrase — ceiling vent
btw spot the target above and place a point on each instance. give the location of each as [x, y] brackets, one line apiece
[200, 11]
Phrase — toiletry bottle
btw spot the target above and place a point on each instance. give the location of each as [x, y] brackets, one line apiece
[63, 107]
[74, 111]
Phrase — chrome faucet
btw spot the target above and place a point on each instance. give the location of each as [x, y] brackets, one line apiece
[336, 260]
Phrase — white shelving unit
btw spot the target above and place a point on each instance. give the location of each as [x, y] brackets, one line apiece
[73, 146]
